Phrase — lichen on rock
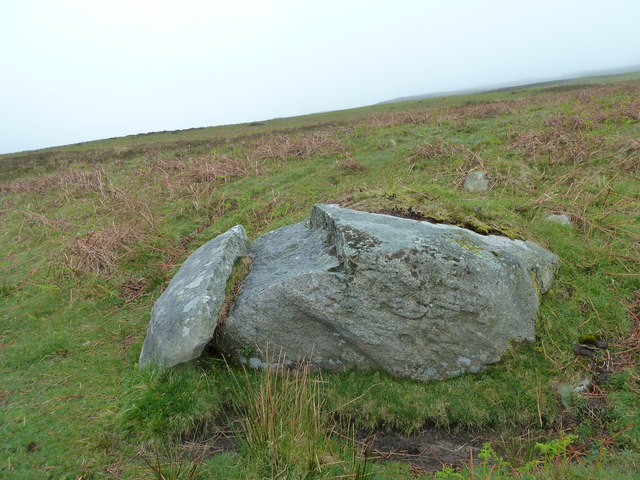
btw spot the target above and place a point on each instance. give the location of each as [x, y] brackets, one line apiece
[348, 289]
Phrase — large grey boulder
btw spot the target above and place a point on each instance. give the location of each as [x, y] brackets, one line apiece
[347, 289]
[184, 318]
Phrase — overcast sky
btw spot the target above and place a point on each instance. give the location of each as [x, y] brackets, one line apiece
[76, 70]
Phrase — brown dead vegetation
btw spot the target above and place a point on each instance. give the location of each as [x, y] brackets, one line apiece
[348, 163]
[32, 218]
[624, 112]
[133, 289]
[557, 145]
[515, 178]
[590, 112]
[484, 110]
[303, 147]
[625, 153]
[69, 180]
[384, 120]
[601, 105]
[224, 168]
[599, 92]
[449, 118]
[434, 149]
[197, 176]
[630, 109]
[208, 168]
[595, 103]
[454, 116]
[466, 159]
[98, 252]
[630, 354]
[563, 121]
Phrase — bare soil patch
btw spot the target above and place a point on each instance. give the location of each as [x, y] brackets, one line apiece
[426, 451]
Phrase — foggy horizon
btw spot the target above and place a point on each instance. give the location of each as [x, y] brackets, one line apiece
[76, 72]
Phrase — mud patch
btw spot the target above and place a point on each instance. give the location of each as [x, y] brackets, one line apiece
[212, 444]
[426, 451]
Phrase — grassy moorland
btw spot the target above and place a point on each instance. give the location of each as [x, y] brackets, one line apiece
[91, 234]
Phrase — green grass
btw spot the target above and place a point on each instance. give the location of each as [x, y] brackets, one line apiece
[83, 256]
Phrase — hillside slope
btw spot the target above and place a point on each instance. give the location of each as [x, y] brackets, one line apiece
[92, 233]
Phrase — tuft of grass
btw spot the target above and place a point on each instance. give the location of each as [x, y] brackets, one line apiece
[170, 463]
[284, 428]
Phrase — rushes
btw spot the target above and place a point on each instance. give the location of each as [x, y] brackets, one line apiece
[284, 429]
[173, 465]
[283, 424]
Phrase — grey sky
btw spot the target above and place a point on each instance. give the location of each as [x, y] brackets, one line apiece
[76, 70]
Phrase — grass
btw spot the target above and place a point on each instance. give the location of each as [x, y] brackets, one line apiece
[92, 233]
[284, 427]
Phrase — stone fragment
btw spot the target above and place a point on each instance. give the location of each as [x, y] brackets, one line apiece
[184, 318]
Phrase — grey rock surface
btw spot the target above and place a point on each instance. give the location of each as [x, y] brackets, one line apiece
[477, 181]
[562, 219]
[347, 289]
[184, 318]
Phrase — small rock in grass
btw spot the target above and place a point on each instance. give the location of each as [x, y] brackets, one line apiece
[477, 181]
[583, 386]
[562, 219]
